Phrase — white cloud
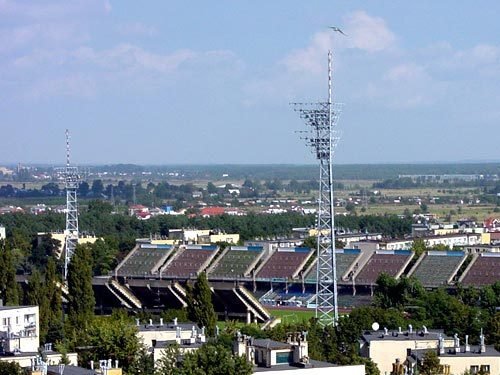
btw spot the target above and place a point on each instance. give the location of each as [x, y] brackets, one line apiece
[75, 85]
[368, 33]
[86, 71]
[312, 58]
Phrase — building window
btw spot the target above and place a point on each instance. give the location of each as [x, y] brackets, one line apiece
[286, 357]
[485, 369]
[474, 370]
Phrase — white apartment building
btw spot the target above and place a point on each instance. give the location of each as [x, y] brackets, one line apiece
[20, 338]
[19, 329]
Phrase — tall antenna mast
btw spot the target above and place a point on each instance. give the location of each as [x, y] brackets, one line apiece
[321, 119]
[71, 179]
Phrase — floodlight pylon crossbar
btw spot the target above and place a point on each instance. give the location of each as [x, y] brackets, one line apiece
[321, 136]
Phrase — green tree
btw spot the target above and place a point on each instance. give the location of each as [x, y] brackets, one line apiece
[81, 299]
[211, 188]
[429, 364]
[214, 359]
[418, 246]
[35, 296]
[104, 255]
[200, 307]
[114, 337]
[10, 368]
[97, 188]
[54, 300]
[9, 289]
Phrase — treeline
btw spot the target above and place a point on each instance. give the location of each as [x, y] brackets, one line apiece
[119, 232]
[487, 185]
[98, 218]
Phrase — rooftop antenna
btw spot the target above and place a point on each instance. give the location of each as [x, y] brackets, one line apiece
[322, 136]
[71, 180]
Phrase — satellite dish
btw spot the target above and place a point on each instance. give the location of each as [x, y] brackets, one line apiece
[375, 326]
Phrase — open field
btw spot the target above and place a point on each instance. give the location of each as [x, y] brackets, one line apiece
[293, 315]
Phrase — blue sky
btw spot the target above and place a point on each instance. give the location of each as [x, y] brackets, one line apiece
[163, 82]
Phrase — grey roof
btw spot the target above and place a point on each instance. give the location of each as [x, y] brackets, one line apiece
[15, 307]
[287, 367]
[271, 344]
[405, 336]
[70, 370]
[167, 327]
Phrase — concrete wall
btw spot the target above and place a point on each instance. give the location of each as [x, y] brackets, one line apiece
[52, 359]
[23, 322]
[385, 352]
[334, 370]
[147, 336]
[459, 364]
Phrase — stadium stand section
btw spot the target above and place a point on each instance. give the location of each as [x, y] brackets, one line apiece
[189, 261]
[284, 263]
[344, 259]
[144, 260]
[483, 270]
[392, 262]
[291, 296]
[436, 268]
[236, 261]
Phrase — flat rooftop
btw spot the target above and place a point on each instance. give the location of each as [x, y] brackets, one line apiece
[287, 367]
[404, 336]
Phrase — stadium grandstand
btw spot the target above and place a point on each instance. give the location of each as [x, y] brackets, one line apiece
[144, 260]
[436, 268]
[189, 261]
[284, 263]
[484, 269]
[391, 262]
[292, 295]
[236, 262]
[345, 259]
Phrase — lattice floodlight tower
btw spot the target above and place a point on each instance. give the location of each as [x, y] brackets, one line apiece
[321, 135]
[71, 179]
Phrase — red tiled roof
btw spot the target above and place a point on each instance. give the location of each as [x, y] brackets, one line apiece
[212, 211]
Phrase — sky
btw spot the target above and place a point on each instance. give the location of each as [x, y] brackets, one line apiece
[211, 82]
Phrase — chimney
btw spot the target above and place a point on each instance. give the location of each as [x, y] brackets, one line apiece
[456, 342]
[482, 346]
[441, 344]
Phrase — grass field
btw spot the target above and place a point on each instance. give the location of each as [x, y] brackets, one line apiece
[292, 316]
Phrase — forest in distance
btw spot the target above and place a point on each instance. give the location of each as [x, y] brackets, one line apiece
[285, 171]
